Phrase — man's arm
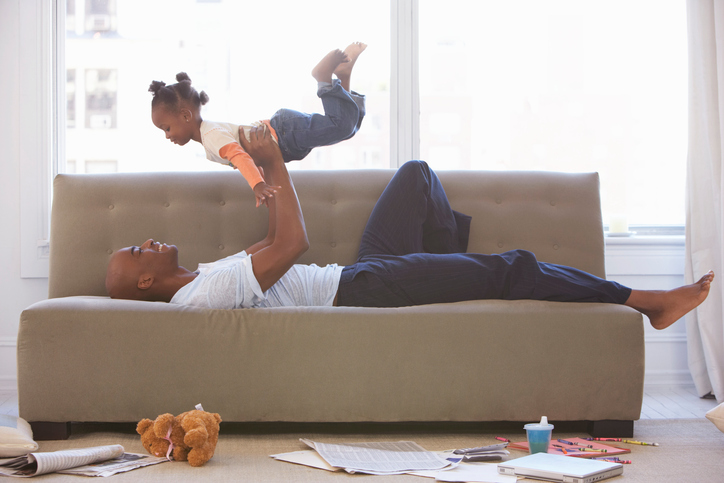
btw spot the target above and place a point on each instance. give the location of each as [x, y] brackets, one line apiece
[271, 233]
[287, 237]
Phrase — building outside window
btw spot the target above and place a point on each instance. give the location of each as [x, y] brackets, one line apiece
[113, 56]
[565, 86]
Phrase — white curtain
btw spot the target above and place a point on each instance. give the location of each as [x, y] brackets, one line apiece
[704, 237]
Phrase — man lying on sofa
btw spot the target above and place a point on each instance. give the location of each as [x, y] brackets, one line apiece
[412, 253]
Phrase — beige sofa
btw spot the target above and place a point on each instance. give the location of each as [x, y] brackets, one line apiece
[83, 357]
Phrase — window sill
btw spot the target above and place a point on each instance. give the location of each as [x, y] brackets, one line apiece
[644, 240]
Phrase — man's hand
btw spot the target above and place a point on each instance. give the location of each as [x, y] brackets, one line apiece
[262, 148]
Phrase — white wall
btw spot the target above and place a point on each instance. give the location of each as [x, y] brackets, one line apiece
[654, 263]
[638, 263]
[15, 293]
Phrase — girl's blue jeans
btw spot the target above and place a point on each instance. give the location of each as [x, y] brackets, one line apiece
[412, 253]
[298, 133]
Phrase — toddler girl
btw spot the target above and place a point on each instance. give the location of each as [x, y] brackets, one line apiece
[176, 110]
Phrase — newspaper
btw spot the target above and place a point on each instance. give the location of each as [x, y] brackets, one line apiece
[95, 461]
[379, 458]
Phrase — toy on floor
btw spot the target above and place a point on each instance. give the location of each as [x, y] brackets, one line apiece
[190, 436]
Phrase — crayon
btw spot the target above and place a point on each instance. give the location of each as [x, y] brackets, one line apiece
[638, 442]
[560, 448]
[502, 439]
[614, 460]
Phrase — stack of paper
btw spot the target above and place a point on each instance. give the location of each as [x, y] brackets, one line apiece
[379, 458]
[394, 458]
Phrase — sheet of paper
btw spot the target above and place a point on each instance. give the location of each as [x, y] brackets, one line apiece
[475, 472]
[125, 462]
[307, 457]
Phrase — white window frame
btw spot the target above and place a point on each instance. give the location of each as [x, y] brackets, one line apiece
[40, 147]
[404, 79]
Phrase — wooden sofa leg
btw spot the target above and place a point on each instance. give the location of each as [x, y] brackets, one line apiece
[609, 428]
[44, 431]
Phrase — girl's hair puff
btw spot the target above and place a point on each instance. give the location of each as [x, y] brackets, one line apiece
[173, 95]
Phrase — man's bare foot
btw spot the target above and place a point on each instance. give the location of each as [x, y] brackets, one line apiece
[326, 67]
[344, 71]
[664, 307]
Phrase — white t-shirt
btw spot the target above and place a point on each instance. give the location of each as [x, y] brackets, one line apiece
[216, 135]
[230, 283]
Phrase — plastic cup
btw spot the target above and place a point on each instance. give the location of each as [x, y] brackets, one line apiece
[539, 436]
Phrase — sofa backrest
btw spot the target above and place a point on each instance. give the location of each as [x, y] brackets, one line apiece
[211, 215]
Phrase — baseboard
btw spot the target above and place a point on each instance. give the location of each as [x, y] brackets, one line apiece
[8, 362]
[679, 378]
[8, 384]
[662, 337]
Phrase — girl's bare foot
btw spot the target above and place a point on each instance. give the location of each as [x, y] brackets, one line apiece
[344, 71]
[664, 307]
[326, 67]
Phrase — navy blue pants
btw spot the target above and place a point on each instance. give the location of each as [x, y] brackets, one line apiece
[298, 132]
[412, 253]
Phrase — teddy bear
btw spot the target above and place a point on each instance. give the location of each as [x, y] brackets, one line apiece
[190, 436]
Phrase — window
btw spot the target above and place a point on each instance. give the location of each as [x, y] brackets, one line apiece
[101, 98]
[70, 99]
[503, 84]
[249, 58]
[522, 84]
[561, 85]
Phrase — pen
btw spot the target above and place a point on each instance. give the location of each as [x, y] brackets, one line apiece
[638, 442]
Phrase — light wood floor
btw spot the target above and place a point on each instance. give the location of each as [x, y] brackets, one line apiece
[675, 402]
[660, 402]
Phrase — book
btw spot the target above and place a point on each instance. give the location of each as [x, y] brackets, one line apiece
[557, 447]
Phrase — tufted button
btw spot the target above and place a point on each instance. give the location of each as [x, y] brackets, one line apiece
[110, 207]
[500, 244]
[222, 202]
[553, 203]
[166, 204]
[333, 244]
[109, 251]
[498, 201]
[555, 247]
[221, 247]
[334, 202]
